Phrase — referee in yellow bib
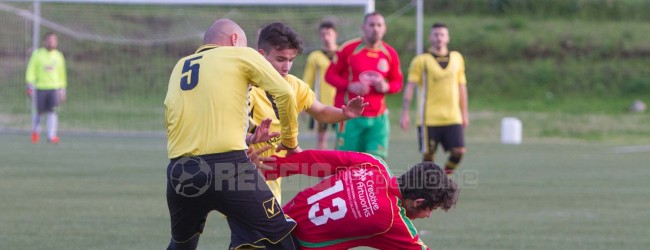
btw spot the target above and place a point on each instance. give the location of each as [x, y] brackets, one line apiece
[206, 118]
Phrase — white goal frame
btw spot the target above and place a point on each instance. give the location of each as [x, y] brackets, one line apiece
[369, 6]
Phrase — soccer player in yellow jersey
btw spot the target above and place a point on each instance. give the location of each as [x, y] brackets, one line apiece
[46, 83]
[317, 63]
[443, 116]
[206, 117]
[280, 45]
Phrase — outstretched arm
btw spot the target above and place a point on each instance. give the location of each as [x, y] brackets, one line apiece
[328, 114]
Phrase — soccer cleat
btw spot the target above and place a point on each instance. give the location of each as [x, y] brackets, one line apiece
[35, 138]
[54, 140]
[449, 171]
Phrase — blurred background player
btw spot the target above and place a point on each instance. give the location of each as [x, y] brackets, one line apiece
[317, 63]
[370, 68]
[46, 83]
[443, 115]
[206, 118]
[360, 202]
[279, 44]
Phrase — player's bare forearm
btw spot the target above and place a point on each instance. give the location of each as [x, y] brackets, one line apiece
[323, 113]
[408, 96]
[405, 119]
[328, 114]
[463, 104]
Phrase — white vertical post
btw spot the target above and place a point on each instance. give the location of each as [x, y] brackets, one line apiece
[370, 6]
[36, 25]
[419, 47]
[36, 36]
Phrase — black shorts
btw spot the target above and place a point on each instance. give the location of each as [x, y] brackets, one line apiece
[449, 136]
[47, 100]
[230, 184]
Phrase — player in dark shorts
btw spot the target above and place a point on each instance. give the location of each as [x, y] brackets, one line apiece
[198, 185]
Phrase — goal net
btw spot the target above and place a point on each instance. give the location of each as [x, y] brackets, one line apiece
[119, 56]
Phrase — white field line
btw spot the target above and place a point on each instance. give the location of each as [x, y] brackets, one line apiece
[632, 149]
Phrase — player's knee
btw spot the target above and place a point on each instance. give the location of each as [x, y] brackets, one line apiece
[458, 152]
[428, 156]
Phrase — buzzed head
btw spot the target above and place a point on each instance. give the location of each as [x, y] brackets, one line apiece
[225, 32]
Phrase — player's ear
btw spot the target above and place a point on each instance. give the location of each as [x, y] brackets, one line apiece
[233, 39]
[418, 202]
[262, 52]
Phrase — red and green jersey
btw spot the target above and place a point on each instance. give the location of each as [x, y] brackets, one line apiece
[358, 204]
[352, 60]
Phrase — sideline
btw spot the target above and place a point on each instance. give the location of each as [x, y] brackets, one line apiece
[632, 149]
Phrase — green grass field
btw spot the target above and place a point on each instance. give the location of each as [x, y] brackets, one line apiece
[108, 192]
[568, 69]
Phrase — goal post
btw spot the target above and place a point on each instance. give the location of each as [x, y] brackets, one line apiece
[119, 54]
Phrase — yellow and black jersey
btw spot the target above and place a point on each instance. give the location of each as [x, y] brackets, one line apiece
[439, 96]
[206, 107]
[263, 106]
[314, 75]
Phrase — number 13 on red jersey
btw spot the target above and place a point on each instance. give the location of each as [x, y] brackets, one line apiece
[320, 216]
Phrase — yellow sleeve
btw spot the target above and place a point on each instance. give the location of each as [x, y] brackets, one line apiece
[305, 97]
[310, 70]
[415, 70]
[461, 71]
[251, 108]
[263, 75]
[30, 74]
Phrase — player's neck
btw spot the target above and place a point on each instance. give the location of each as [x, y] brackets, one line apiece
[374, 45]
[330, 47]
[441, 51]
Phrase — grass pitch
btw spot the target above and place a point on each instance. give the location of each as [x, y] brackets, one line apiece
[108, 192]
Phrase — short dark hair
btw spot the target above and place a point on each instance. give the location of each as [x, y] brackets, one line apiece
[439, 25]
[280, 37]
[428, 181]
[327, 25]
[374, 13]
[48, 34]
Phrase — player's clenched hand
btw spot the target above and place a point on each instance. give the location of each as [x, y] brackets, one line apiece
[381, 85]
[359, 88]
[29, 90]
[262, 132]
[355, 107]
